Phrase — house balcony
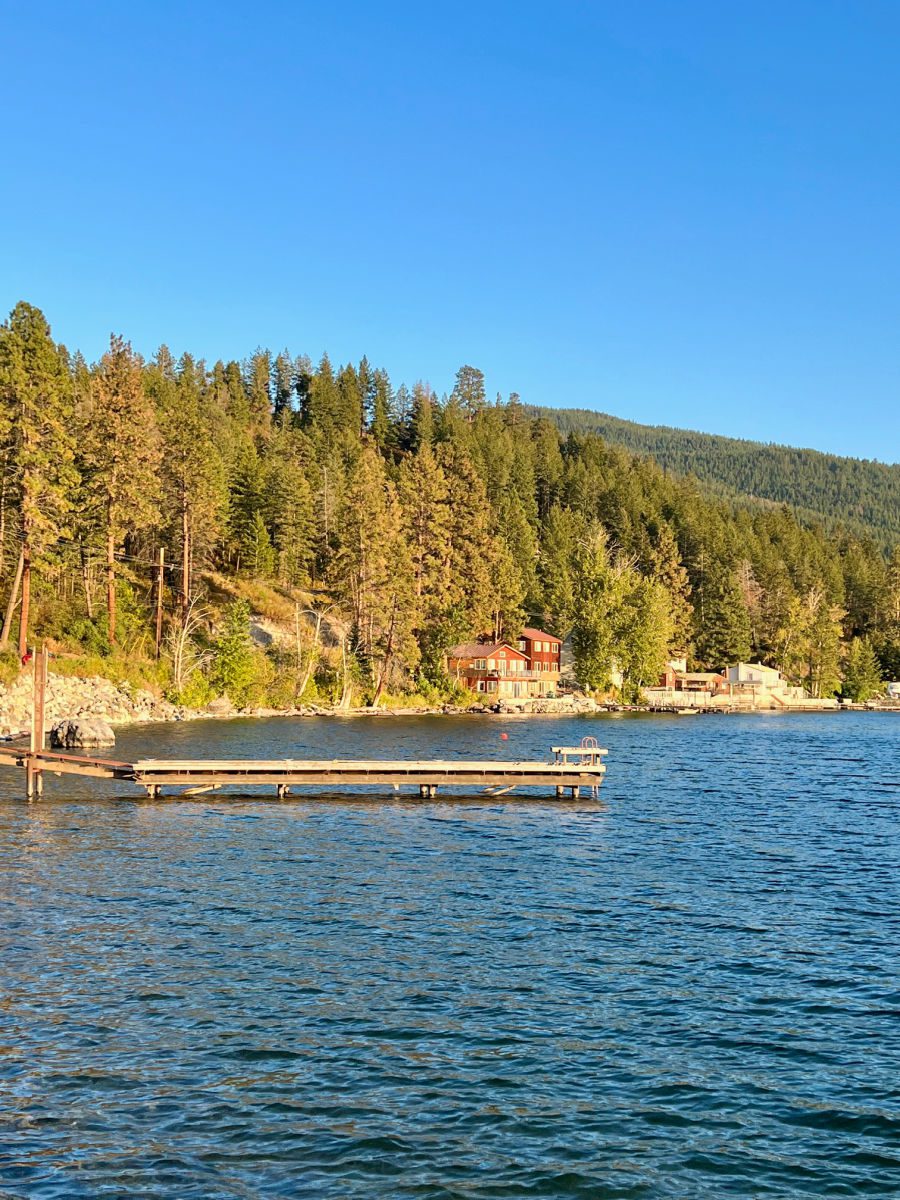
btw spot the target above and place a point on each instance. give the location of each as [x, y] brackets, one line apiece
[480, 673]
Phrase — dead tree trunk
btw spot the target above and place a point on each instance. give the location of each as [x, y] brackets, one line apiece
[11, 603]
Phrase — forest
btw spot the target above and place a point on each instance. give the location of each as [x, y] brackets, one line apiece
[836, 492]
[377, 525]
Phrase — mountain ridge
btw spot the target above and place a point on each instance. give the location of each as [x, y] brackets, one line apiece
[862, 495]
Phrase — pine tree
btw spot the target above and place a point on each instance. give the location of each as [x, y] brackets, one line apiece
[249, 540]
[722, 631]
[257, 384]
[423, 494]
[468, 391]
[862, 671]
[666, 568]
[233, 665]
[421, 417]
[599, 594]
[283, 384]
[289, 507]
[381, 404]
[372, 572]
[192, 472]
[35, 428]
[123, 456]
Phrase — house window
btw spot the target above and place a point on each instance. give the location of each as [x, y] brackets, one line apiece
[523, 645]
[480, 664]
[481, 685]
[492, 664]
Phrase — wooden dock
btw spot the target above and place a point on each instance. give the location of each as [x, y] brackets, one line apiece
[195, 776]
[571, 769]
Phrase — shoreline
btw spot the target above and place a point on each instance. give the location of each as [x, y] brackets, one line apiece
[74, 698]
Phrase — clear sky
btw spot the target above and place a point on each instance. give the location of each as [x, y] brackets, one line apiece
[683, 213]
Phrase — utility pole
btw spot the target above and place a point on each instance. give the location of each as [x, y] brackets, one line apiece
[159, 598]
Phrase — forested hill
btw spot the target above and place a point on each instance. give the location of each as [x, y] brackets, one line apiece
[148, 508]
[858, 494]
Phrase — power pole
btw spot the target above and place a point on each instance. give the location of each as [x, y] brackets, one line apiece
[159, 598]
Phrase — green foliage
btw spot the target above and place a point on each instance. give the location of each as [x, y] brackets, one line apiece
[235, 665]
[862, 671]
[417, 522]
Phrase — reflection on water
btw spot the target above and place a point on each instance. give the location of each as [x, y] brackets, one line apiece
[689, 989]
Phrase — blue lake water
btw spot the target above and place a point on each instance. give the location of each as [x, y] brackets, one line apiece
[689, 989]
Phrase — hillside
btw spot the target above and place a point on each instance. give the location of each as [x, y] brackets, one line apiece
[178, 515]
[858, 494]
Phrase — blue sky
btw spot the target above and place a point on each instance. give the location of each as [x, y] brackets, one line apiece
[679, 213]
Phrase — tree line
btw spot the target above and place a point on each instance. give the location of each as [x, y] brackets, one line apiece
[418, 519]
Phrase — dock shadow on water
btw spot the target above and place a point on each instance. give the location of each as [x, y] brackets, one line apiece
[687, 989]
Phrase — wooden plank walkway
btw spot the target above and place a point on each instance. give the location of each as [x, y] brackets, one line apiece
[196, 775]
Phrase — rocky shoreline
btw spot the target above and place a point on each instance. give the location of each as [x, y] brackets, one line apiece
[70, 698]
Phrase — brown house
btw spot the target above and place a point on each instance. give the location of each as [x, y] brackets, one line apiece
[501, 670]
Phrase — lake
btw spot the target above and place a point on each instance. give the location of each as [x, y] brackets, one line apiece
[688, 989]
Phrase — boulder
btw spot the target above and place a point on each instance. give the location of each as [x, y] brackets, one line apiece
[221, 706]
[82, 733]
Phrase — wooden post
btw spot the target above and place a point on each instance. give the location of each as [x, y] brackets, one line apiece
[159, 599]
[34, 776]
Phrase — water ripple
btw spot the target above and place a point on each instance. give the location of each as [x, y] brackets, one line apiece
[690, 989]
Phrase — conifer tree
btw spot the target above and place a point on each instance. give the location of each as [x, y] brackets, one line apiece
[421, 417]
[666, 568]
[468, 391]
[257, 383]
[372, 572]
[862, 671]
[35, 428]
[289, 507]
[192, 472]
[722, 627]
[381, 404]
[600, 588]
[123, 456]
[423, 494]
[283, 384]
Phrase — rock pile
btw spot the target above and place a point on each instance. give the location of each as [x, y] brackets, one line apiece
[69, 698]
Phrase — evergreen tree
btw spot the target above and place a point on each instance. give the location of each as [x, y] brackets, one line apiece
[289, 507]
[123, 456]
[666, 568]
[468, 391]
[723, 637]
[36, 435]
[423, 494]
[372, 572]
[862, 671]
[421, 418]
[381, 405]
[233, 662]
[600, 589]
[194, 497]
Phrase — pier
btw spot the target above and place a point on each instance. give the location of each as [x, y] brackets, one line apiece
[565, 774]
[571, 768]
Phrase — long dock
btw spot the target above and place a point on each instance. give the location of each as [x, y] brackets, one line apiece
[572, 769]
